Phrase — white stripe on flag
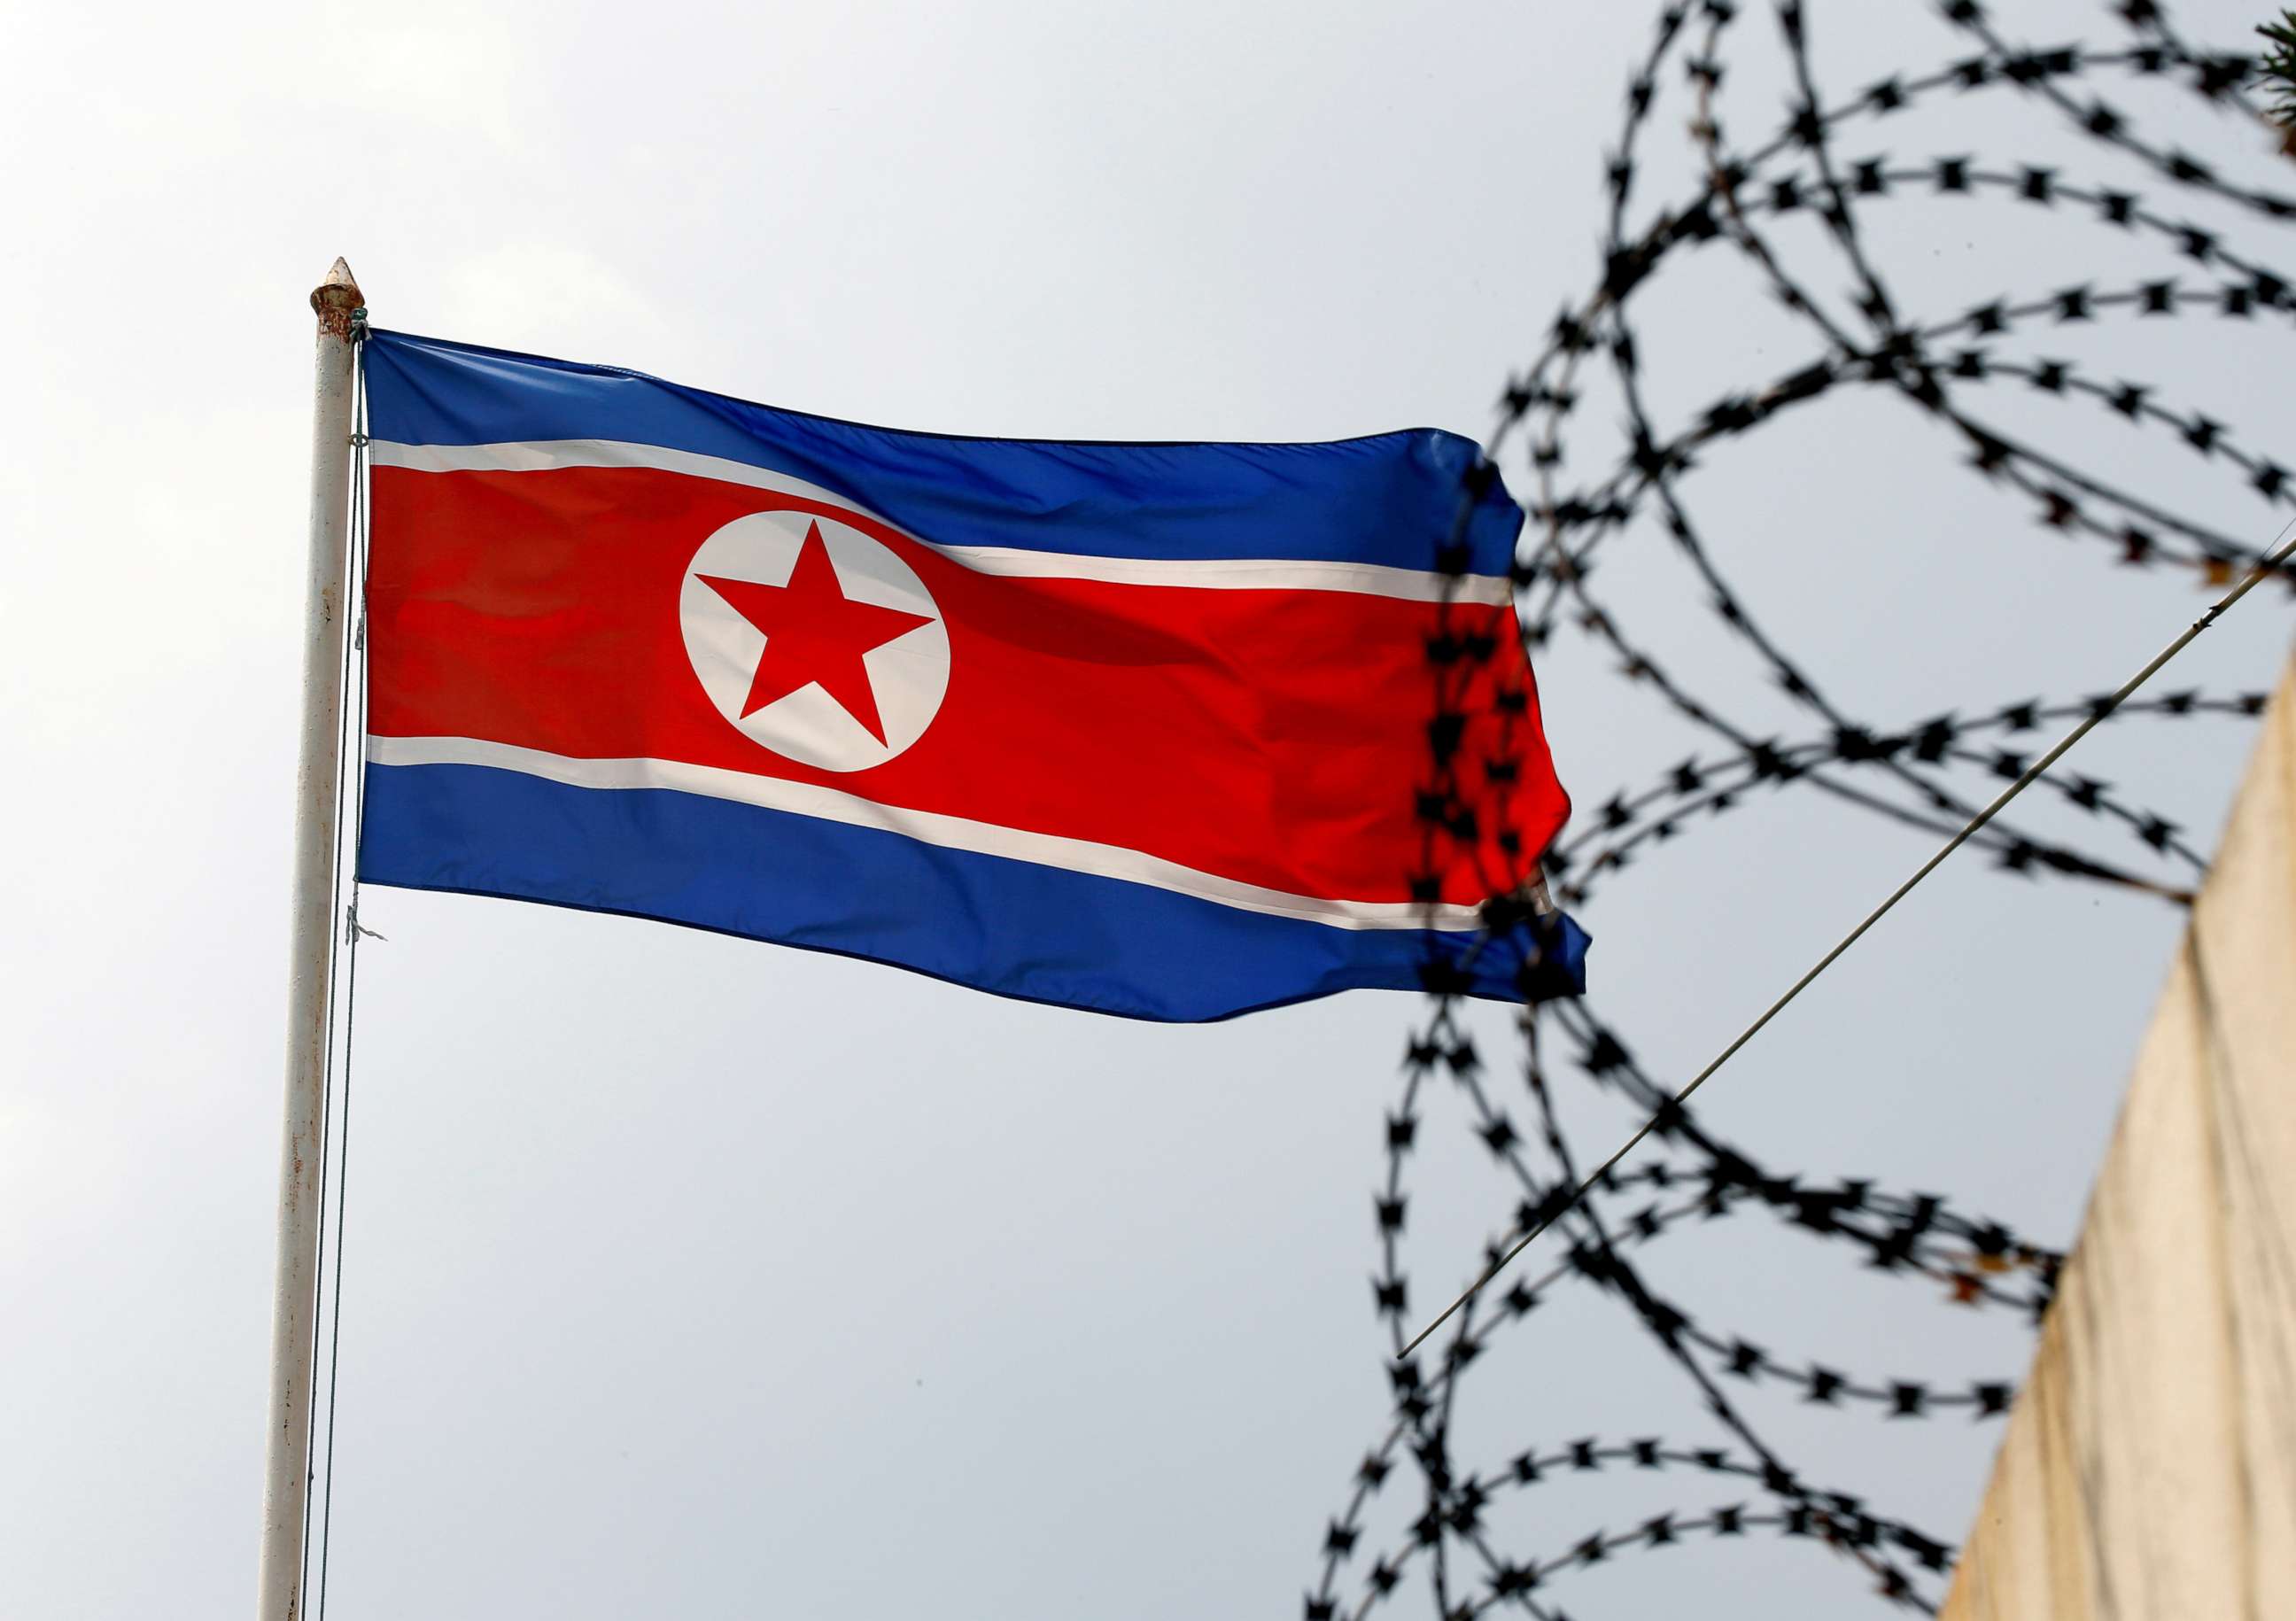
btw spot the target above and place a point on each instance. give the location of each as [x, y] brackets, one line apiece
[927, 827]
[1366, 579]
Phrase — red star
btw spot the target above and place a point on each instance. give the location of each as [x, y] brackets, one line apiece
[815, 635]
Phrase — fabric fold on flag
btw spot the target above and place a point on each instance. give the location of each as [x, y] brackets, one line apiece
[1129, 727]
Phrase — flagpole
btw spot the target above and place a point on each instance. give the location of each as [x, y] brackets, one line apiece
[294, 1302]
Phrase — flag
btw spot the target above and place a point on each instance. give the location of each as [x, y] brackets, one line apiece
[1130, 727]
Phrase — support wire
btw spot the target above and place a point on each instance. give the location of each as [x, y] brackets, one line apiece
[2263, 569]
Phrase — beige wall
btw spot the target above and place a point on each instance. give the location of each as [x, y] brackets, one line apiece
[2149, 1467]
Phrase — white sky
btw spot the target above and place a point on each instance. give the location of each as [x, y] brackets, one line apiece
[694, 1276]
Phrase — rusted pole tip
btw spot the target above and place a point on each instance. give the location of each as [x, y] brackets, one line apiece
[335, 298]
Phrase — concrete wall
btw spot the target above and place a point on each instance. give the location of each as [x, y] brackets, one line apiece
[2149, 1467]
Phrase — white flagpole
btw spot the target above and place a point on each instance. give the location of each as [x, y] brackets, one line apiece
[294, 1302]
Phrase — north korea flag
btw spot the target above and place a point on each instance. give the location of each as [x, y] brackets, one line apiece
[1140, 728]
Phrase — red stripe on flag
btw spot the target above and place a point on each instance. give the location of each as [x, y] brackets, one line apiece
[1269, 736]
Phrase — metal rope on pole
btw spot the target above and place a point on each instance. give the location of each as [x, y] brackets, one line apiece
[2265, 566]
[294, 1304]
[349, 799]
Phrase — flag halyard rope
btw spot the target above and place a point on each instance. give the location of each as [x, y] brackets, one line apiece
[334, 1163]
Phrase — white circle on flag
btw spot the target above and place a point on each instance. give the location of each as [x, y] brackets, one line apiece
[852, 616]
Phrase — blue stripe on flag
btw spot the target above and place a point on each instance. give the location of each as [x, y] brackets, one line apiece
[1038, 933]
[1389, 499]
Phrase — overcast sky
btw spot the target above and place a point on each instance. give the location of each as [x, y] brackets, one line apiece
[693, 1276]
